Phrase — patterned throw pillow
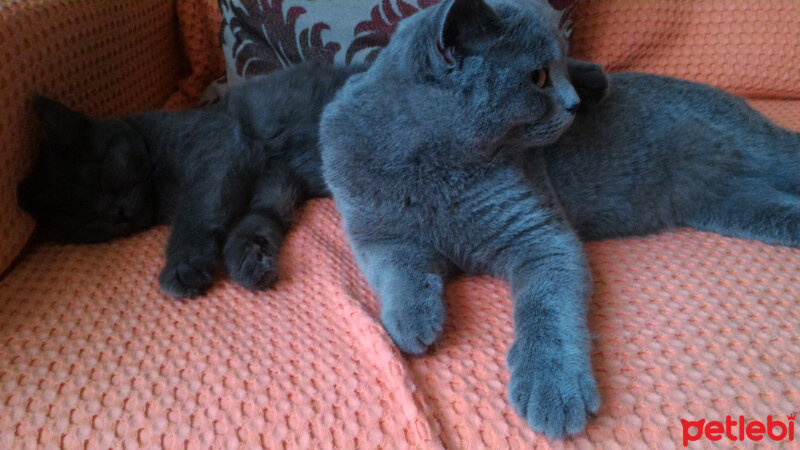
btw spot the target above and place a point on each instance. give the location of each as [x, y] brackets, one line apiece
[260, 36]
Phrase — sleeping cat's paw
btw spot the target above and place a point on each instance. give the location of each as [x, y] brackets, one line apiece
[589, 81]
[415, 326]
[552, 392]
[187, 277]
[251, 260]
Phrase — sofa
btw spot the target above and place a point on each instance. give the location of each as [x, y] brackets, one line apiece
[686, 325]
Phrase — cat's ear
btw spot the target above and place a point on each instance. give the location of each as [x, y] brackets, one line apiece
[62, 122]
[465, 25]
[26, 195]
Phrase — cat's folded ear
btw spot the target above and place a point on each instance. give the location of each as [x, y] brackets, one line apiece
[465, 26]
[62, 122]
[26, 195]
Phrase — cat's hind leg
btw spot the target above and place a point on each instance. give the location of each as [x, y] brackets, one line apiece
[753, 212]
[251, 248]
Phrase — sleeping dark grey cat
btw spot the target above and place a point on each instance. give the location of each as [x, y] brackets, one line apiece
[228, 176]
[443, 157]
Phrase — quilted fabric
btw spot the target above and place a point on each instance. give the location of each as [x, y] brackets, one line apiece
[686, 325]
[751, 47]
[199, 24]
[102, 57]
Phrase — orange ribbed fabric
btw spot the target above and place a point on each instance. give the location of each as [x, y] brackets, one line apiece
[199, 22]
[750, 47]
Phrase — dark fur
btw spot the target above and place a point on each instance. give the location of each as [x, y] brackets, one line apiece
[428, 155]
[228, 178]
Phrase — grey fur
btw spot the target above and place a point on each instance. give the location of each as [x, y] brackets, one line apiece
[661, 153]
[428, 155]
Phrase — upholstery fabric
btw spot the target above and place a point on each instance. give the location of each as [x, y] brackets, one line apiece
[101, 57]
[686, 325]
[199, 25]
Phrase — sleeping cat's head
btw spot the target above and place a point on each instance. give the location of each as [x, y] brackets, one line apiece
[505, 59]
[91, 180]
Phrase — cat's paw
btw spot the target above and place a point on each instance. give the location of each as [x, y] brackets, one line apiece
[553, 394]
[415, 326]
[186, 277]
[590, 82]
[251, 261]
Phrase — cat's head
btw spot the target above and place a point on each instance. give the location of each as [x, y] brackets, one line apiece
[91, 180]
[505, 59]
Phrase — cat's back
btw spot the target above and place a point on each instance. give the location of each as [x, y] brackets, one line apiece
[657, 117]
[293, 97]
[654, 145]
[666, 103]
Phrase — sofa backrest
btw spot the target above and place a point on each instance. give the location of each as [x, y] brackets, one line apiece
[751, 47]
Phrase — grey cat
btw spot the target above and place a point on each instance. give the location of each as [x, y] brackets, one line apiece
[442, 157]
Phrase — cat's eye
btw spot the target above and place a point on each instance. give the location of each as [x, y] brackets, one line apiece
[539, 77]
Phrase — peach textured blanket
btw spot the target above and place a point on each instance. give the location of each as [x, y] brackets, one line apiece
[686, 325]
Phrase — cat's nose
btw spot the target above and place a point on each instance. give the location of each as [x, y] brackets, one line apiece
[568, 98]
[573, 108]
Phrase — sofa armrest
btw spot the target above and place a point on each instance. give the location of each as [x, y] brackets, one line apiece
[99, 56]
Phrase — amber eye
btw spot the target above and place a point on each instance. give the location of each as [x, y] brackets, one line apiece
[539, 77]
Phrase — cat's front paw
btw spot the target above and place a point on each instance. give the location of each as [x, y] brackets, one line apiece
[186, 277]
[415, 326]
[251, 261]
[554, 394]
[590, 82]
